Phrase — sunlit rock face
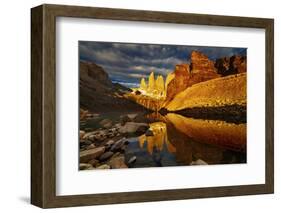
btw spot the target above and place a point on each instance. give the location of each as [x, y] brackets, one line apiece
[151, 82]
[201, 69]
[143, 84]
[179, 82]
[223, 91]
[231, 65]
[184, 84]
[159, 85]
[149, 102]
[201, 63]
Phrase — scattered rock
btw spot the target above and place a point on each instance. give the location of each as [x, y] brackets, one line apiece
[87, 155]
[84, 166]
[106, 123]
[132, 127]
[88, 129]
[118, 125]
[86, 136]
[106, 156]
[103, 166]
[124, 119]
[91, 146]
[93, 162]
[109, 143]
[149, 133]
[198, 162]
[82, 133]
[118, 144]
[85, 142]
[117, 162]
[132, 160]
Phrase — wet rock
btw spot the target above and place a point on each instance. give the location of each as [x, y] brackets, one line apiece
[103, 166]
[198, 162]
[93, 162]
[149, 133]
[106, 156]
[117, 162]
[132, 160]
[106, 123]
[87, 155]
[118, 144]
[84, 166]
[132, 127]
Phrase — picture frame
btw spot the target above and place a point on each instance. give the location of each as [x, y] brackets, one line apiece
[43, 105]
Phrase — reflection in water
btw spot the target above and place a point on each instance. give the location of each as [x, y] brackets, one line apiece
[228, 135]
[158, 140]
[177, 140]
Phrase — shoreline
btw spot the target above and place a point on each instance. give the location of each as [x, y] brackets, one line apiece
[231, 113]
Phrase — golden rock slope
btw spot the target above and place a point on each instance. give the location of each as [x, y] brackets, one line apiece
[222, 91]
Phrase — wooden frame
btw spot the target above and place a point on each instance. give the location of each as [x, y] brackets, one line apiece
[43, 106]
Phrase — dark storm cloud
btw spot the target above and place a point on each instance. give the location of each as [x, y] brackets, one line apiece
[129, 62]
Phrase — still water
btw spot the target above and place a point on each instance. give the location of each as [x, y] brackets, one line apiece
[178, 140]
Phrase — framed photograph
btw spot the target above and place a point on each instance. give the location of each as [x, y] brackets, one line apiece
[136, 106]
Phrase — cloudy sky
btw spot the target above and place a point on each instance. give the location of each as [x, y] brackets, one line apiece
[127, 63]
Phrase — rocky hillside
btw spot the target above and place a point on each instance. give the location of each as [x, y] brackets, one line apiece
[222, 91]
[98, 94]
[211, 89]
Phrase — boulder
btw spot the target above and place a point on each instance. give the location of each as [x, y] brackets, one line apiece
[87, 155]
[106, 123]
[84, 166]
[93, 162]
[105, 156]
[132, 127]
[91, 146]
[118, 144]
[117, 162]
